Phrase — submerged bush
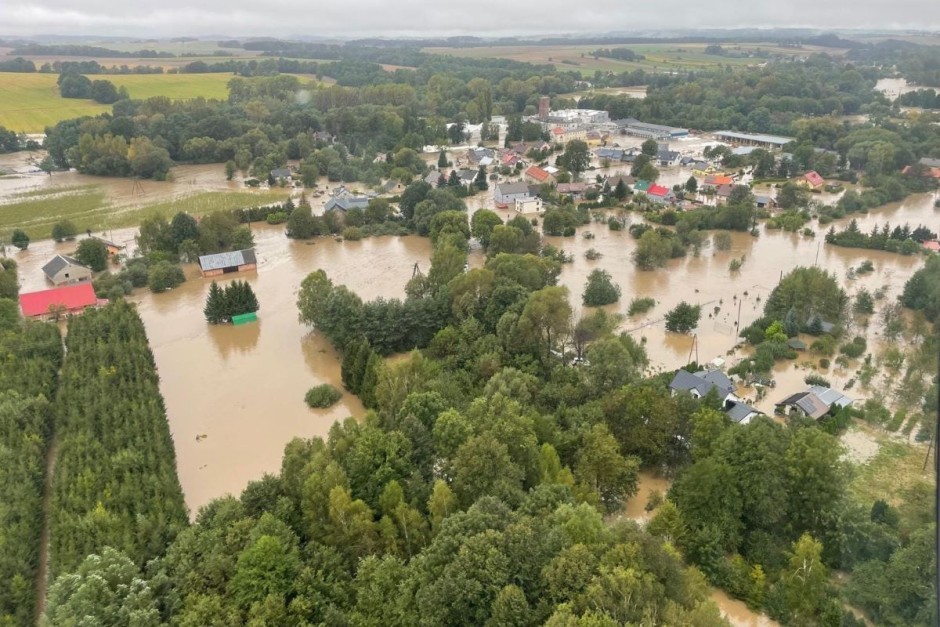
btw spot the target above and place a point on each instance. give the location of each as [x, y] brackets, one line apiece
[322, 396]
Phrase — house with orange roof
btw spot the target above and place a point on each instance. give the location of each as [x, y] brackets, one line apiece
[717, 180]
[538, 175]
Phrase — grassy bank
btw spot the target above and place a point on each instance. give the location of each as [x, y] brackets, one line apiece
[30, 102]
[88, 208]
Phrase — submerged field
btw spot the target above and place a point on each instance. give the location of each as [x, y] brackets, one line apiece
[30, 102]
[88, 207]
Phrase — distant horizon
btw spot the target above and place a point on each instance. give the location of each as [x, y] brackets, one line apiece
[703, 32]
[409, 19]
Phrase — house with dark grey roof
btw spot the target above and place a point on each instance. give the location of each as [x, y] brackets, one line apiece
[742, 413]
[815, 402]
[344, 201]
[506, 194]
[226, 263]
[667, 158]
[63, 270]
[702, 382]
[281, 173]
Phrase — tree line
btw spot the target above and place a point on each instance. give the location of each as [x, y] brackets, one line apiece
[28, 376]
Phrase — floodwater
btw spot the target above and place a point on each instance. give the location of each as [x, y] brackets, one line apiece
[121, 192]
[894, 87]
[235, 395]
[738, 613]
[635, 507]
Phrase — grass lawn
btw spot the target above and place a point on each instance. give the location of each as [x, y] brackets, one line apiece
[88, 208]
[30, 102]
[891, 473]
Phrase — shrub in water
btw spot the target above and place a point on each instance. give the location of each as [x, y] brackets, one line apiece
[322, 396]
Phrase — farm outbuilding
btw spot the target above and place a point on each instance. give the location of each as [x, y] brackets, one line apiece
[225, 263]
[63, 269]
[67, 300]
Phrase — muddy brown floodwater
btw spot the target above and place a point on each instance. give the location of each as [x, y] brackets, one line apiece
[242, 388]
[234, 395]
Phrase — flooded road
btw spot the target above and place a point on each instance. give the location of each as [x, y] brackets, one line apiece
[240, 390]
[894, 87]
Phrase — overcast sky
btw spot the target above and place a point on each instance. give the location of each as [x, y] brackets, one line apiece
[354, 18]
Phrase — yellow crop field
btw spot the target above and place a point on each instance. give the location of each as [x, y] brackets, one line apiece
[30, 102]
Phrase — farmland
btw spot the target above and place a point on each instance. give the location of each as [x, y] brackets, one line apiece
[30, 102]
[658, 57]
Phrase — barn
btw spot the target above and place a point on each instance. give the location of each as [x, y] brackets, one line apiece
[67, 300]
[225, 263]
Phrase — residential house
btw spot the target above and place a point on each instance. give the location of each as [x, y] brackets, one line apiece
[227, 263]
[741, 413]
[812, 180]
[932, 245]
[764, 202]
[702, 382]
[63, 269]
[703, 169]
[344, 200]
[717, 180]
[113, 247]
[66, 300]
[660, 194]
[538, 175]
[931, 167]
[595, 138]
[281, 173]
[575, 190]
[323, 136]
[506, 194]
[815, 402]
[532, 204]
[467, 177]
[613, 181]
[433, 177]
[668, 158]
[611, 154]
[481, 156]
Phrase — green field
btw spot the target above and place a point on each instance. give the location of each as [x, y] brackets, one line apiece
[30, 102]
[659, 57]
[88, 208]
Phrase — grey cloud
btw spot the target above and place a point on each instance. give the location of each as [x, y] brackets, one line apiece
[353, 18]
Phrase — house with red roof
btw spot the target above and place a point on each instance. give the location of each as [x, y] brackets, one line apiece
[660, 194]
[538, 175]
[812, 180]
[932, 245]
[67, 300]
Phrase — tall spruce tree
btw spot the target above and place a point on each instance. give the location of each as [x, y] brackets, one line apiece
[215, 305]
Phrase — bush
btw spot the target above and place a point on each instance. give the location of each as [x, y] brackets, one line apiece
[352, 233]
[824, 363]
[20, 239]
[322, 396]
[640, 306]
[63, 230]
[278, 217]
[736, 264]
[164, 276]
[854, 349]
[614, 224]
[815, 379]
[600, 289]
[722, 241]
[592, 254]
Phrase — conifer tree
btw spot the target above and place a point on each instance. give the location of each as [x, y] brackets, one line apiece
[215, 305]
